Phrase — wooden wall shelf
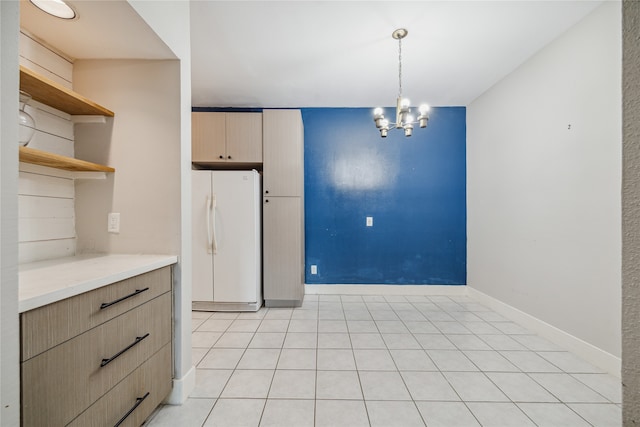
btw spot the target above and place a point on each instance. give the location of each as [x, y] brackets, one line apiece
[43, 158]
[57, 96]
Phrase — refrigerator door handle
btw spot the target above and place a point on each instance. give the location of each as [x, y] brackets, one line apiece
[214, 244]
[209, 236]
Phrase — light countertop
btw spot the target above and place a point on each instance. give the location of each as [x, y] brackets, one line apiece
[45, 282]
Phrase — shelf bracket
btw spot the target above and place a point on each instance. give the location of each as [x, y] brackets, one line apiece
[89, 119]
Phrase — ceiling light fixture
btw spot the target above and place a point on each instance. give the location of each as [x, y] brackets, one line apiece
[404, 119]
[57, 8]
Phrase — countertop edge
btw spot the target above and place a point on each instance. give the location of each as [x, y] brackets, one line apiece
[136, 265]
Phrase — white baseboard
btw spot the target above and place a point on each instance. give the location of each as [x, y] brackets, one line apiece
[596, 356]
[182, 388]
[385, 290]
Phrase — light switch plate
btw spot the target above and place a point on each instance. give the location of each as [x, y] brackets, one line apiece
[314, 269]
[113, 223]
[369, 221]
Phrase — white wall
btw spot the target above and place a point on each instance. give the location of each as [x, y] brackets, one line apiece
[142, 142]
[171, 21]
[9, 331]
[543, 184]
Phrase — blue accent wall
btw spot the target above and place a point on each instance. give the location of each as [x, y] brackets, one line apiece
[414, 188]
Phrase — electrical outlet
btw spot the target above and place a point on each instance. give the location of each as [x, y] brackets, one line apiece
[369, 221]
[314, 269]
[113, 223]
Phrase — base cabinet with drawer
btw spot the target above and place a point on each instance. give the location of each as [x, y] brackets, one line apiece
[99, 358]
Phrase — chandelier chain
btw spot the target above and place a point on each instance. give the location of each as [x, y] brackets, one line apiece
[400, 67]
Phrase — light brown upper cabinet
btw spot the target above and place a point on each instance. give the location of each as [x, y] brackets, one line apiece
[226, 137]
[283, 153]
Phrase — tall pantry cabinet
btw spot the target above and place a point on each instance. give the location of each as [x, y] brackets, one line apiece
[283, 208]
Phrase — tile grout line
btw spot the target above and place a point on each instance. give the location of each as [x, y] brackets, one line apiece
[560, 401]
[215, 402]
[266, 399]
[455, 391]
[516, 404]
[233, 370]
[364, 400]
[484, 373]
[315, 385]
[443, 306]
[398, 369]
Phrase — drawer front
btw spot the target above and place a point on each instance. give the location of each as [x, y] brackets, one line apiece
[48, 326]
[153, 377]
[60, 383]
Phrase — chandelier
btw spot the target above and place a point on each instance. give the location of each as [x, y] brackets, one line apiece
[404, 118]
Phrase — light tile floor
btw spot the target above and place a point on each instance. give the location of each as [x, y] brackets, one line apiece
[386, 361]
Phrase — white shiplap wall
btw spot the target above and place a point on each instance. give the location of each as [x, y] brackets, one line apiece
[46, 196]
[36, 56]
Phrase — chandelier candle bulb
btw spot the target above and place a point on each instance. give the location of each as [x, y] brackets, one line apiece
[423, 118]
[384, 128]
[378, 117]
[408, 129]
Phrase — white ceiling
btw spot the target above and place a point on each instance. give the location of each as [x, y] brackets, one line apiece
[104, 29]
[326, 53]
[341, 53]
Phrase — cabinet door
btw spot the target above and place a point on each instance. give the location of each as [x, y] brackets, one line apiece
[283, 153]
[244, 137]
[282, 257]
[208, 137]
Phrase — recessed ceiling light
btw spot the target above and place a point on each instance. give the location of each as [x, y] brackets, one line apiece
[57, 8]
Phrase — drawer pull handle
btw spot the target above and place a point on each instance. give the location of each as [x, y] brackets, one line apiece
[109, 304]
[105, 362]
[139, 400]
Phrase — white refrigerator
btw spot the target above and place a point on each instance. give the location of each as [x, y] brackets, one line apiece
[226, 240]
